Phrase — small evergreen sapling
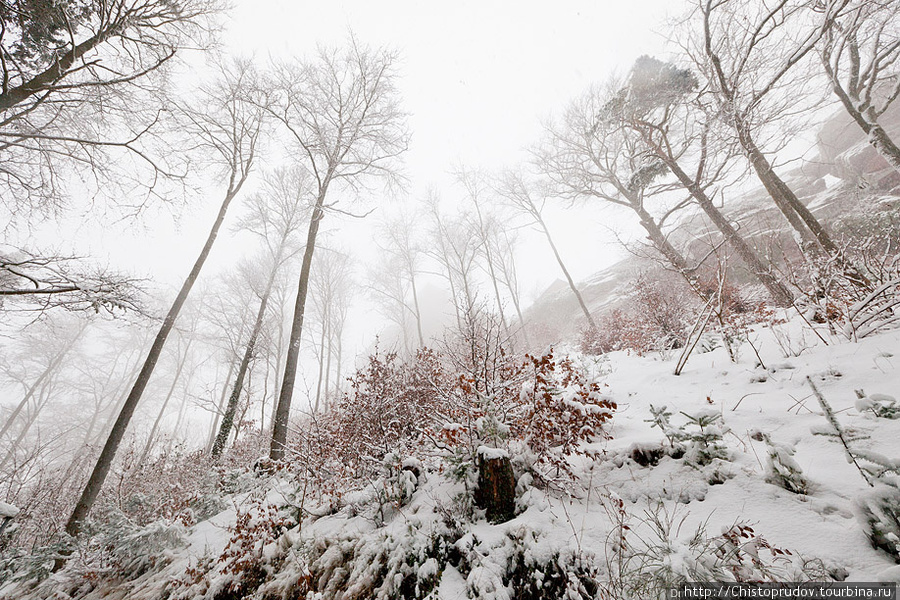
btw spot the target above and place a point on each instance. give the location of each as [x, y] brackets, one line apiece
[879, 509]
[662, 420]
[881, 405]
[781, 468]
[706, 441]
[702, 434]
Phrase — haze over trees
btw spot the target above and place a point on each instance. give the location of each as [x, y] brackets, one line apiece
[342, 342]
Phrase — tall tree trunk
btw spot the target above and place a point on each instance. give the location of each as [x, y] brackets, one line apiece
[220, 408]
[416, 311]
[493, 275]
[781, 295]
[337, 374]
[162, 411]
[51, 366]
[104, 462]
[515, 300]
[328, 354]
[244, 408]
[322, 362]
[283, 408]
[562, 265]
[181, 410]
[228, 417]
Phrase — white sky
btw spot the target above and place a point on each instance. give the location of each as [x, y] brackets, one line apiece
[478, 77]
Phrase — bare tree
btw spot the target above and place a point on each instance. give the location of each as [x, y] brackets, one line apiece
[530, 198]
[455, 247]
[68, 342]
[389, 289]
[656, 102]
[503, 241]
[40, 282]
[331, 282]
[587, 156]
[746, 52]
[860, 52]
[342, 112]
[181, 359]
[79, 82]
[63, 339]
[275, 216]
[406, 252]
[482, 226]
[228, 128]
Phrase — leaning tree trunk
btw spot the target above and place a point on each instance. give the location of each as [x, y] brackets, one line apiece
[220, 407]
[885, 146]
[104, 462]
[562, 266]
[659, 239]
[784, 195]
[51, 366]
[779, 292]
[162, 411]
[800, 217]
[231, 407]
[283, 408]
[868, 123]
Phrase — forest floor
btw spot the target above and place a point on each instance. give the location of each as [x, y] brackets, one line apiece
[642, 507]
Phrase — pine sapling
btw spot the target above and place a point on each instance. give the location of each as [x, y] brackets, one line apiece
[661, 419]
[781, 468]
[706, 443]
[881, 405]
[832, 420]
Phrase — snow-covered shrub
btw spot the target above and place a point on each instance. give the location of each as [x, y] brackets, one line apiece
[26, 568]
[172, 486]
[437, 409]
[124, 548]
[879, 512]
[406, 564]
[872, 239]
[656, 316]
[704, 433]
[527, 566]
[650, 554]
[561, 406]
[781, 468]
[661, 418]
[701, 436]
[387, 414]
[881, 405]
[253, 554]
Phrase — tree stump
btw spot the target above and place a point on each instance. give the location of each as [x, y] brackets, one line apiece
[496, 492]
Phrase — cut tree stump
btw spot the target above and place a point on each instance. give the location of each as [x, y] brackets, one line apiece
[496, 492]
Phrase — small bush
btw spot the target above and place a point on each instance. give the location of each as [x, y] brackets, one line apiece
[655, 317]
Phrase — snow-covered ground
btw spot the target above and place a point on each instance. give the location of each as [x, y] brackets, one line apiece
[639, 505]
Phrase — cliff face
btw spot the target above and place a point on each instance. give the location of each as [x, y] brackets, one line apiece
[845, 152]
[846, 178]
